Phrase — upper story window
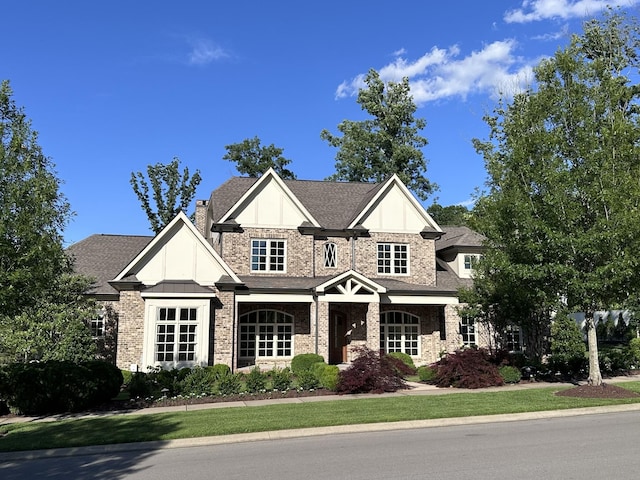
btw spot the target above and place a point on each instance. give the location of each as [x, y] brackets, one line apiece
[470, 261]
[393, 258]
[268, 255]
[330, 252]
[468, 331]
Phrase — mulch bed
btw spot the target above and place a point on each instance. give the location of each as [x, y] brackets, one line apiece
[599, 391]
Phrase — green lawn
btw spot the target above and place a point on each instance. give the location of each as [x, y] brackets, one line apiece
[168, 426]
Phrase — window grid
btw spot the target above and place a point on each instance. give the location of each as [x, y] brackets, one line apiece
[330, 255]
[267, 333]
[468, 331]
[268, 255]
[512, 338]
[393, 258]
[400, 332]
[176, 334]
[96, 326]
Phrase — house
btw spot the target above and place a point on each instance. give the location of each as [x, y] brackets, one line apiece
[273, 268]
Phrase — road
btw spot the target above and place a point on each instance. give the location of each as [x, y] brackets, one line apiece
[603, 446]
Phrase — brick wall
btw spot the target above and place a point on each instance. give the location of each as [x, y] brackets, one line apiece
[130, 330]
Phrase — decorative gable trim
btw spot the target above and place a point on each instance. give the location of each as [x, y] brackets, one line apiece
[161, 239]
[269, 176]
[430, 225]
[350, 286]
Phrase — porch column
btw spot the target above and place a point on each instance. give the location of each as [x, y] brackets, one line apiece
[323, 328]
[373, 326]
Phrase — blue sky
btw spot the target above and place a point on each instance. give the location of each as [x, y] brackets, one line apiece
[113, 86]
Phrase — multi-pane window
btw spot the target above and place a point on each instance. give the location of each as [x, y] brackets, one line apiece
[468, 331]
[393, 258]
[512, 338]
[268, 255]
[399, 332]
[330, 251]
[266, 333]
[96, 325]
[176, 338]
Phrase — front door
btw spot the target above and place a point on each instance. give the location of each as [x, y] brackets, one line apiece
[337, 338]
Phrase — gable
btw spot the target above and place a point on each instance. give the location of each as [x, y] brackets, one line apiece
[179, 252]
[395, 210]
[269, 203]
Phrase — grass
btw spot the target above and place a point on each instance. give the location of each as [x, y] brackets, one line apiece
[169, 426]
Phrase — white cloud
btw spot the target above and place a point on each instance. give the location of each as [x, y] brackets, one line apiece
[204, 51]
[441, 74]
[534, 10]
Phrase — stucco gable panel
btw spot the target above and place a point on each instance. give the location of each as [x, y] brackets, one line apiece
[270, 206]
[394, 212]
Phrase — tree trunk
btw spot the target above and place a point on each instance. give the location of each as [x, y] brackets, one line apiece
[595, 377]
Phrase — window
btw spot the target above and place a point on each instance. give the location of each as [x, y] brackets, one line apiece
[399, 332]
[330, 255]
[96, 325]
[268, 255]
[468, 331]
[176, 338]
[266, 333]
[512, 338]
[393, 258]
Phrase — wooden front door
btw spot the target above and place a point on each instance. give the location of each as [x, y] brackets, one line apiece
[337, 338]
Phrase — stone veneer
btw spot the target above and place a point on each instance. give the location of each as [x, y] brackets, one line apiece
[130, 330]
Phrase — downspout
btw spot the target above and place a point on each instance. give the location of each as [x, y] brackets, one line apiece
[315, 298]
[233, 334]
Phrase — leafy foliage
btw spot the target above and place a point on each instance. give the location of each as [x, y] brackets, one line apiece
[561, 211]
[568, 351]
[172, 191]
[230, 384]
[256, 381]
[58, 386]
[41, 302]
[200, 380]
[427, 373]
[374, 149]
[456, 215]
[404, 358]
[304, 361]
[510, 374]
[468, 368]
[307, 380]
[372, 372]
[328, 376]
[281, 379]
[253, 160]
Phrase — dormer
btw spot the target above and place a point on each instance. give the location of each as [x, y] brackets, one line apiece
[460, 248]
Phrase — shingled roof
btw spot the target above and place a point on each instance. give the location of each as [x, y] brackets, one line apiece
[333, 204]
[104, 256]
[459, 237]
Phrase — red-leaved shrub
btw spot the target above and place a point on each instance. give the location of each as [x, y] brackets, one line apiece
[371, 372]
[467, 368]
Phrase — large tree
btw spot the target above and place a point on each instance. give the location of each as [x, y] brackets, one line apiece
[173, 191]
[37, 287]
[390, 142]
[563, 162]
[253, 159]
[457, 215]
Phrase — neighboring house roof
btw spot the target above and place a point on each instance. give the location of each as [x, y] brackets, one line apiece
[461, 238]
[103, 256]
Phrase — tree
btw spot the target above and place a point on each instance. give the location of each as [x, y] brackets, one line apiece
[36, 277]
[253, 160]
[172, 191]
[373, 149]
[455, 215]
[563, 200]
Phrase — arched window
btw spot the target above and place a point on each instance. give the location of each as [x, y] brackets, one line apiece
[266, 333]
[400, 332]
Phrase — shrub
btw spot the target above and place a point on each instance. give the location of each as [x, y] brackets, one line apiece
[140, 385]
[318, 368]
[467, 368]
[404, 358]
[614, 358]
[510, 374]
[568, 350]
[58, 386]
[371, 372]
[307, 380]
[230, 384]
[426, 373]
[634, 352]
[126, 376]
[281, 379]
[220, 370]
[304, 362]
[201, 380]
[328, 377]
[256, 381]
